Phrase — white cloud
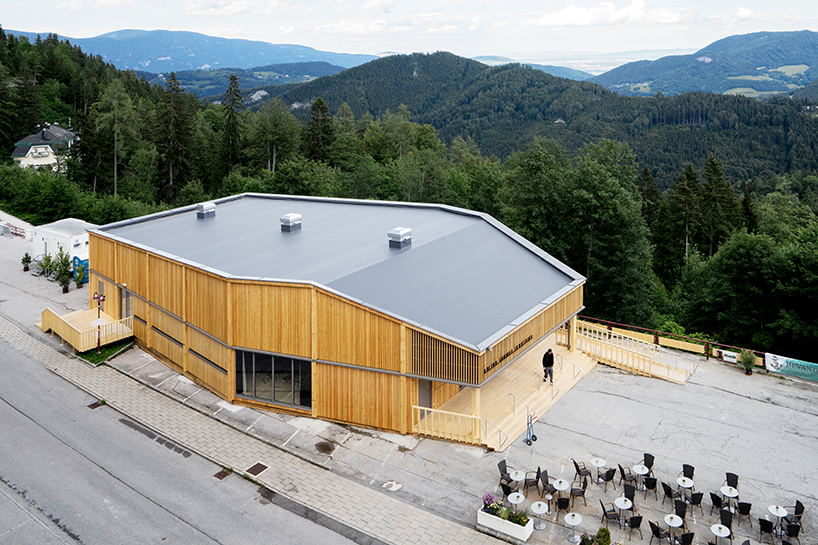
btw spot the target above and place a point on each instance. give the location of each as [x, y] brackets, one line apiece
[443, 30]
[218, 7]
[607, 13]
[277, 7]
[379, 5]
[76, 5]
[377, 27]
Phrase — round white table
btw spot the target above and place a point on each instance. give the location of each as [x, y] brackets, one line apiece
[779, 512]
[687, 484]
[561, 485]
[731, 494]
[516, 498]
[598, 463]
[539, 508]
[623, 504]
[573, 519]
[673, 521]
[641, 470]
[517, 475]
[720, 531]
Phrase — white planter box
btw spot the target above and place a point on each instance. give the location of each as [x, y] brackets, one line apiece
[503, 528]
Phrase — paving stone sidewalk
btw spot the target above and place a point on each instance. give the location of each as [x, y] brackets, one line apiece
[374, 514]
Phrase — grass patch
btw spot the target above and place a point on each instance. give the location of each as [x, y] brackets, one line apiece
[106, 351]
[792, 69]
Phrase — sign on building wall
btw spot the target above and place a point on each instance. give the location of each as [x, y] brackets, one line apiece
[789, 366]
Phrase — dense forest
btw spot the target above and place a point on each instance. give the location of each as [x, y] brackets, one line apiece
[720, 254]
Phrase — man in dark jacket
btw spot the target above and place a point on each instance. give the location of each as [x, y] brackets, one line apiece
[548, 366]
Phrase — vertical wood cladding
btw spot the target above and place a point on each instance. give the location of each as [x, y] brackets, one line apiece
[167, 284]
[272, 317]
[436, 358]
[205, 357]
[348, 333]
[358, 396]
[104, 252]
[207, 302]
[132, 268]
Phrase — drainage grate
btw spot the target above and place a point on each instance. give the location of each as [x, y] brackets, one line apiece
[95, 405]
[324, 447]
[222, 474]
[256, 470]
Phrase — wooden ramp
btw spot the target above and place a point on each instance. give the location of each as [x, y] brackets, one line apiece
[80, 329]
[511, 395]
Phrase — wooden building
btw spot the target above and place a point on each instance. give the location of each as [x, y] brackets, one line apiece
[349, 311]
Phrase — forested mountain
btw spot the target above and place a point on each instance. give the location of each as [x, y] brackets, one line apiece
[749, 64]
[164, 51]
[729, 251]
[208, 83]
[562, 71]
[503, 107]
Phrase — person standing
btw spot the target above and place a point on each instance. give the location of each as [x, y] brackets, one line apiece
[548, 366]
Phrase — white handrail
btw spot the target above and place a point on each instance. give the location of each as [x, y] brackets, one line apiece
[500, 433]
[576, 369]
[512, 397]
[539, 379]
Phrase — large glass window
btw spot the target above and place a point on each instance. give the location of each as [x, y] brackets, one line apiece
[277, 379]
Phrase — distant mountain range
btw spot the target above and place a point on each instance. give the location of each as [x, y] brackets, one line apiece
[165, 51]
[757, 64]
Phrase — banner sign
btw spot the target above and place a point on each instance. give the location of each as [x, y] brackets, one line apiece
[788, 366]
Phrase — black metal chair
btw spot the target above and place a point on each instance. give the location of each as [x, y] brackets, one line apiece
[650, 485]
[680, 508]
[766, 527]
[563, 504]
[686, 538]
[657, 532]
[532, 478]
[629, 492]
[731, 479]
[505, 477]
[609, 513]
[626, 475]
[687, 471]
[608, 477]
[792, 532]
[634, 523]
[578, 491]
[744, 511]
[507, 491]
[795, 518]
[696, 501]
[726, 519]
[647, 461]
[581, 470]
[670, 493]
[716, 499]
[547, 487]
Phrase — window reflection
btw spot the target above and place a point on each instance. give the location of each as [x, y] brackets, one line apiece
[278, 379]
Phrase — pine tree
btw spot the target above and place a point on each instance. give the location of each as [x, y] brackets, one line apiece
[650, 195]
[174, 136]
[720, 208]
[232, 105]
[320, 132]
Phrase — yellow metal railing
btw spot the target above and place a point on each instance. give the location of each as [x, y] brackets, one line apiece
[464, 428]
[84, 340]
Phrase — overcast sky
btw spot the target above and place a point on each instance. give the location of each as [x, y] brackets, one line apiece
[521, 29]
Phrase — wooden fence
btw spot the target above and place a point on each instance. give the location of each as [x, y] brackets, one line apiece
[86, 339]
[463, 428]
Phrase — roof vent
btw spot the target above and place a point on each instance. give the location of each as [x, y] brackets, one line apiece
[290, 222]
[206, 210]
[400, 237]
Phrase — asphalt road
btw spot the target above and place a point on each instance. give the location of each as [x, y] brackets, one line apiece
[72, 474]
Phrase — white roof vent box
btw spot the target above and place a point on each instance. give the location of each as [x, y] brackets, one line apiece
[400, 237]
[206, 210]
[290, 222]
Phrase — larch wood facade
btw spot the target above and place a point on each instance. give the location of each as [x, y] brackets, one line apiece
[367, 367]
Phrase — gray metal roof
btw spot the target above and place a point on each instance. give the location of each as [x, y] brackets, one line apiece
[70, 226]
[466, 276]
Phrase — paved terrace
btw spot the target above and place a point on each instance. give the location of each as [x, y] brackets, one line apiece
[403, 489]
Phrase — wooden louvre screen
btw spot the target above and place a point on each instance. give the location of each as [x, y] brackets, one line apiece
[437, 359]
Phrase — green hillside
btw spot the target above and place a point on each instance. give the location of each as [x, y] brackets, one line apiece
[503, 108]
[758, 64]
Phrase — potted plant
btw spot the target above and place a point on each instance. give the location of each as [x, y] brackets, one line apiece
[603, 536]
[63, 268]
[79, 274]
[586, 539]
[500, 521]
[26, 261]
[747, 359]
